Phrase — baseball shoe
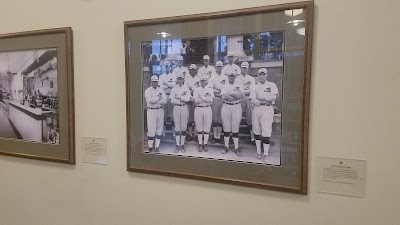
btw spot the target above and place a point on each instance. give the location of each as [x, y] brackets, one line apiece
[265, 159]
[149, 150]
[156, 150]
[259, 156]
[200, 148]
[183, 149]
[205, 149]
[238, 152]
[177, 149]
[225, 150]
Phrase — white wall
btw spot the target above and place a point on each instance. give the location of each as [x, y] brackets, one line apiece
[354, 114]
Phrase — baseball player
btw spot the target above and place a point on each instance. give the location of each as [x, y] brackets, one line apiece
[180, 96]
[231, 66]
[180, 69]
[247, 82]
[231, 112]
[166, 82]
[206, 70]
[218, 81]
[203, 97]
[192, 82]
[263, 96]
[155, 99]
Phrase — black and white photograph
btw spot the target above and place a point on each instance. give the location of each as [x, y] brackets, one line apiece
[215, 98]
[29, 95]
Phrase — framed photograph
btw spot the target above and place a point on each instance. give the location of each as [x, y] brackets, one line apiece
[36, 95]
[222, 96]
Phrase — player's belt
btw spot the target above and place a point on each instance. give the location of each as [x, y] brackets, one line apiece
[167, 93]
[229, 103]
[202, 106]
[217, 95]
[155, 108]
[264, 105]
[180, 104]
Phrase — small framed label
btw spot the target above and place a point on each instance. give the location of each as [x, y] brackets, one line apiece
[94, 150]
[341, 176]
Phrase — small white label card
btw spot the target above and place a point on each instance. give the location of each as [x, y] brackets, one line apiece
[94, 150]
[341, 176]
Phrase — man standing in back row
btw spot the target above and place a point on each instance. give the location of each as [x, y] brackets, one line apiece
[231, 66]
[263, 96]
[155, 99]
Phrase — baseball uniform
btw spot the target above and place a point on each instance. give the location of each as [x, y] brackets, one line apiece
[231, 113]
[167, 82]
[180, 96]
[155, 99]
[263, 113]
[203, 98]
[181, 70]
[218, 81]
[247, 82]
[231, 67]
[206, 71]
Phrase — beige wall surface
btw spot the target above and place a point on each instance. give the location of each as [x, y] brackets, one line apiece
[354, 114]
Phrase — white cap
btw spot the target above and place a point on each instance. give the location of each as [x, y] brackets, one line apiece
[203, 78]
[230, 54]
[206, 57]
[180, 58]
[245, 65]
[181, 75]
[193, 67]
[219, 63]
[231, 73]
[262, 70]
[154, 78]
[167, 63]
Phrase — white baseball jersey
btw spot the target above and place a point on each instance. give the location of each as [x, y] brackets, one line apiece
[203, 98]
[182, 92]
[155, 97]
[181, 70]
[192, 82]
[206, 71]
[167, 82]
[180, 111]
[232, 87]
[263, 112]
[231, 111]
[232, 67]
[246, 81]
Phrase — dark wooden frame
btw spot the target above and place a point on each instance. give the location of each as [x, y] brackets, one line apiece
[70, 142]
[309, 7]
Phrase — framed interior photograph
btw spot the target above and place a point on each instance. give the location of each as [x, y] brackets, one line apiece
[222, 96]
[36, 95]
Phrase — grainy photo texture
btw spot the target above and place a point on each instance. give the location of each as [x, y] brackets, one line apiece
[29, 95]
[216, 97]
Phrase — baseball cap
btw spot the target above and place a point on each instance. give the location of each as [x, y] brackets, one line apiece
[167, 63]
[206, 57]
[203, 78]
[230, 73]
[219, 63]
[193, 67]
[180, 58]
[262, 70]
[245, 65]
[154, 78]
[180, 76]
[230, 54]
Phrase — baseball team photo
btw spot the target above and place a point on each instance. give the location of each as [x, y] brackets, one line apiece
[215, 97]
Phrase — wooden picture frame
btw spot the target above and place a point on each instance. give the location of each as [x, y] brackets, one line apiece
[29, 62]
[278, 38]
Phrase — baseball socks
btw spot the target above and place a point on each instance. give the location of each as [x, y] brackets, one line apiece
[266, 146]
[177, 137]
[226, 139]
[200, 137]
[219, 131]
[158, 140]
[258, 146]
[150, 142]
[251, 133]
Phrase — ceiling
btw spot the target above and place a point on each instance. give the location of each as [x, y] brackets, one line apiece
[13, 61]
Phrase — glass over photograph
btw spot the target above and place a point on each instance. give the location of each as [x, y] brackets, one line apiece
[217, 97]
[29, 95]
